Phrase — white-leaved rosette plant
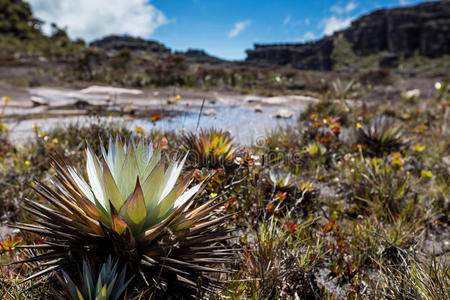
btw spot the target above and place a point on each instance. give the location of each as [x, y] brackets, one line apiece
[134, 206]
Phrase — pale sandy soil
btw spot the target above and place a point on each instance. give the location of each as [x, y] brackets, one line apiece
[247, 117]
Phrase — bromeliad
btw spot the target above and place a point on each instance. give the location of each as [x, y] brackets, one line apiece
[135, 209]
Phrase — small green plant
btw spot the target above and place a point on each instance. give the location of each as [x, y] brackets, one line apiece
[380, 187]
[110, 284]
[416, 279]
[411, 95]
[210, 149]
[442, 91]
[342, 91]
[280, 180]
[263, 261]
[381, 136]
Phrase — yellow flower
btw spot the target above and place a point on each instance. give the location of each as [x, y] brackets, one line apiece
[420, 148]
[376, 162]
[140, 130]
[36, 128]
[397, 155]
[358, 125]
[426, 174]
[213, 195]
[398, 160]
[178, 97]
[27, 162]
[6, 99]
[55, 141]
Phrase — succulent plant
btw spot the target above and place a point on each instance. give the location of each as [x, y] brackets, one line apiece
[210, 149]
[280, 180]
[382, 135]
[109, 285]
[286, 193]
[134, 209]
[316, 149]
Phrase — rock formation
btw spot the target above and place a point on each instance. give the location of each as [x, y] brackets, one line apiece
[309, 56]
[422, 29]
[117, 42]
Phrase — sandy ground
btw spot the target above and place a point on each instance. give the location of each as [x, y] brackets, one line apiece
[247, 117]
[21, 96]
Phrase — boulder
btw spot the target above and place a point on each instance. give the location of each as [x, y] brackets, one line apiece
[283, 114]
[258, 109]
[210, 112]
[389, 61]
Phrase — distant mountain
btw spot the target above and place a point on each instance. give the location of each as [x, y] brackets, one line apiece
[201, 57]
[422, 29]
[120, 42]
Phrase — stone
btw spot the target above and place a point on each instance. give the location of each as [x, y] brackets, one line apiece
[171, 100]
[37, 101]
[129, 109]
[283, 114]
[389, 61]
[412, 94]
[258, 109]
[81, 104]
[95, 89]
[210, 112]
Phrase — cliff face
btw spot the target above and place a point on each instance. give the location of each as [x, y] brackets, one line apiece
[309, 56]
[201, 57]
[120, 42]
[116, 42]
[424, 28]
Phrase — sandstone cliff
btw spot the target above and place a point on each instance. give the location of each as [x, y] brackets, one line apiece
[423, 28]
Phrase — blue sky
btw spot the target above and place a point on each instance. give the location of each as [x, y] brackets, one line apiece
[224, 28]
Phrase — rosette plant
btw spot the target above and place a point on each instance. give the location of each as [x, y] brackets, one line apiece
[210, 149]
[382, 135]
[134, 208]
[280, 180]
[110, 284]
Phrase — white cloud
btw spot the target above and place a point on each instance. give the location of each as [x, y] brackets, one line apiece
[308, 36]
[286, 20]
[337, 9]
[307, 21]
[334, 23]
[340, 9]
[350, 6]
[238, 28]
[403, 2]
[91, 19]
